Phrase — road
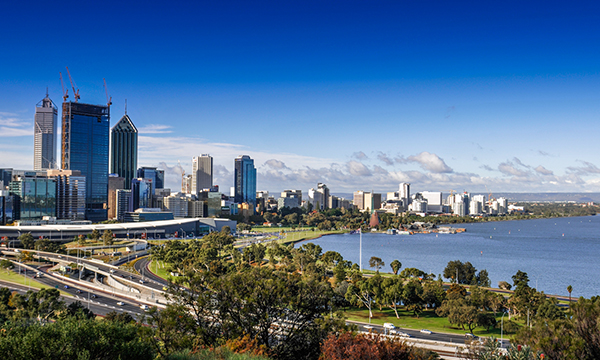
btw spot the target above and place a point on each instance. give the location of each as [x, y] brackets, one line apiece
[102, 304]
[141, 266]
[417, 334]
[117, 273]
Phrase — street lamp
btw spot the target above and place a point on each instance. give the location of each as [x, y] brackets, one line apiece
[502, 330]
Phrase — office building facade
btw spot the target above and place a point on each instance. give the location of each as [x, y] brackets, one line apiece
[85, 135]
[70, 194]
[123, 150]
[35, 195]
[245, 180]
[44, 135]
[141, 194]
[115, 182]
[202, 173]
[123, 197]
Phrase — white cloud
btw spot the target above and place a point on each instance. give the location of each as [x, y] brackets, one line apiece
[431, 162]
[357, 169]
[542, 170]
[360, 155]
[155, 129]
[275, 164]
[12, 126]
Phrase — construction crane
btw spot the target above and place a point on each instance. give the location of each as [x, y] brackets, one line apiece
[108, 100]
[73, 86]
[490, 194]
[183, 187]
[65, 93]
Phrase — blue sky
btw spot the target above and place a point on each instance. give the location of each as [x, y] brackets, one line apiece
[356, 94]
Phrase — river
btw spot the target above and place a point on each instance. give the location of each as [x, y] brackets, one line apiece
[554, 253]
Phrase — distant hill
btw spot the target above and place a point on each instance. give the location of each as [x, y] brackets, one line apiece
[528, 197]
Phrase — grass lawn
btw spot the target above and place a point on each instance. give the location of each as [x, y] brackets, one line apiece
[426, 320]
[20, 279]
[307, 235]
[160, 270]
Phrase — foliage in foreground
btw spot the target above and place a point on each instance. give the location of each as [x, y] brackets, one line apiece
[73, 338]
[346, 346]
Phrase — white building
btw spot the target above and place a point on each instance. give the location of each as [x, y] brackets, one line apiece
[434, 201]
[177, 204]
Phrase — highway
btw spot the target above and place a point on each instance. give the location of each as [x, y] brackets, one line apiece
[126, 277]
[102, 304]
[141, 266]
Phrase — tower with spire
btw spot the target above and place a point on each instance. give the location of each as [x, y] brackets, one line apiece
[44, 134]
[123, 149]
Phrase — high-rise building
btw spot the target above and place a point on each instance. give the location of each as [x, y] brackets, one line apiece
[156, 175]
[404, 190]
[141, 194]
[70, 194]
[44, 135]
[115, 182]
[359, 199]
[123, 198]
[319, 197]
[202, 173]
[85, 132]
[6, 207]
[245, 180]
[35, 195]
[372, 201]
[123, 149]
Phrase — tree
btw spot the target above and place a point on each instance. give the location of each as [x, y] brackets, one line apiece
[520, 279]
[95, 235]
[27, 240]
[76, 309]
[74, 338]
[465, 272]
[392, 292]
[412, 297]
[396, 266]
[412, 273]
[6, 265]
[483, 279]
[376, 262]
[331, 258]
[504, 285]
[569, 289]
[362, 294]
[107, 237]
[124, 318]
[351, 346]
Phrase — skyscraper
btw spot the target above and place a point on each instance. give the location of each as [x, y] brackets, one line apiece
[70, 194]
[245, 180]
[85, 131]
[123, 149]
[44, 135]
[202, 173]
[141, 194]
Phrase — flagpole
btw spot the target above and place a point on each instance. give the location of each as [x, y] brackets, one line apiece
[360, 251]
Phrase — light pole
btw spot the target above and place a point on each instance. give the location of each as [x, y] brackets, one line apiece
[502, 330]
[182, 232]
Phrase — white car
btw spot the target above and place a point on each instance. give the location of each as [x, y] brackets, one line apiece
[120, 303]
[425, 331]
[388, 326]
[144, 307]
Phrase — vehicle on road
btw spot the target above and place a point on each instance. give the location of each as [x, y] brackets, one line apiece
[66, 286]
[470, 336]
[78, 291]
[141, 281]
[144, 307]
[94, 296]
[425, 331]
[388, 326]
[120, 303]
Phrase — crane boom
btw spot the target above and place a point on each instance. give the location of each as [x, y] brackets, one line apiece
[108, 100]
[73, 86]
[62, 83]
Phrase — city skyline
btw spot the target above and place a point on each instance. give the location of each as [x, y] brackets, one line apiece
[356, 96]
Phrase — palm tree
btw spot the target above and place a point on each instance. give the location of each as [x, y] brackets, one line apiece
[569, 289]
[396, 265]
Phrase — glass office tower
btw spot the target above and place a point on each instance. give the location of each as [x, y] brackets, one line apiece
[245, 180]
[85, 131]
[123, 150]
